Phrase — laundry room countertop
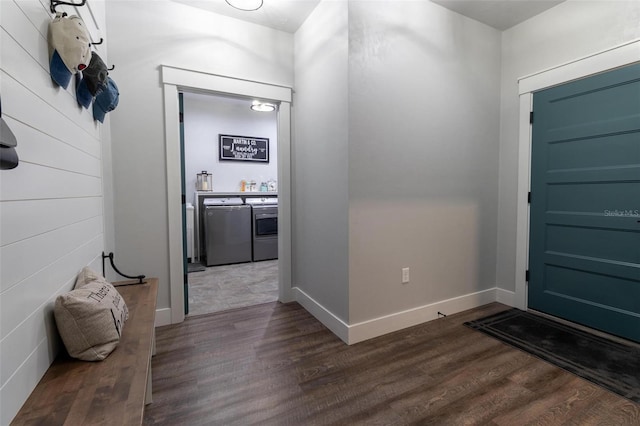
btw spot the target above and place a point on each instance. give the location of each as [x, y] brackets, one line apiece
[237, 194]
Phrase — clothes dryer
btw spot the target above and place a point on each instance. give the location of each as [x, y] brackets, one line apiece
[264, 218]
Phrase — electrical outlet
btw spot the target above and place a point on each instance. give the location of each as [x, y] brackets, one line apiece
[405, 275]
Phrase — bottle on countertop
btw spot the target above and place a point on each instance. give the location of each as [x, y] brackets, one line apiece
[203, 181]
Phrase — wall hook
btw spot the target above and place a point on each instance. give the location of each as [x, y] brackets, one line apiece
[98, 42]
[113, 67]
[56, 3]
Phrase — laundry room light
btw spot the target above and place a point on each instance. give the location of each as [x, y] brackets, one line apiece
[262, 106]
[246, 5]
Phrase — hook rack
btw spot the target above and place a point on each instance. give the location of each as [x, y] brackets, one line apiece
[56, 3]
[109, 256]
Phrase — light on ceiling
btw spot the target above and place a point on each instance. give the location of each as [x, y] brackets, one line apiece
[247, 5]
[263, 106]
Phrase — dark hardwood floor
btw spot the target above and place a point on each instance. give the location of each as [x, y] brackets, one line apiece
[274, 364]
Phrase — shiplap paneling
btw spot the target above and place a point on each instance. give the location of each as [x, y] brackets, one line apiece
[19, 386]
[39, 148]
[27, 330]
[36, 82]
[43, 216]
[51, 206]
[37, 11]
[19, 301]
[15, 391]
[23, 105]
[22, 259]
[18, 27]
[48, 183]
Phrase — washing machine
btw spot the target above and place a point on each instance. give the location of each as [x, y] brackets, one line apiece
[227, 231]
[264, 220]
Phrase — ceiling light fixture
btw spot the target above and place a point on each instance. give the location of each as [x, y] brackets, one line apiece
[246, 5]
[263, 106]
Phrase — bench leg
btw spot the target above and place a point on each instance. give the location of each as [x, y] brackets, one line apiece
[153, 342]
[148, 397]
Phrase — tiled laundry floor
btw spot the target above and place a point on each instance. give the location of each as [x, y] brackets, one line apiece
[219, 288]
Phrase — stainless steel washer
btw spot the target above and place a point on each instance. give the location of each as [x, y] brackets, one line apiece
[227, 231]
[265, 227]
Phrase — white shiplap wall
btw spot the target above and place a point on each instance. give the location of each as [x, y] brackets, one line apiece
[51, 206]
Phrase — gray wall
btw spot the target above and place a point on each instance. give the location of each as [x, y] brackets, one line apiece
[320, 159]
[424, 86]
[144, 36]
[564, 33]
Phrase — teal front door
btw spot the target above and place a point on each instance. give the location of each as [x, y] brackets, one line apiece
[584, 253]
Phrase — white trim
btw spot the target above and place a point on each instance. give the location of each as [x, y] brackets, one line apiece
[400, 320]
[522, 219]
[175, 79]
[174, 195]
[618, 56]
[615, 57]
[332, 322]
[376, 327]
[505, 297]
[221, 84]
[163, 317]
[284, 203]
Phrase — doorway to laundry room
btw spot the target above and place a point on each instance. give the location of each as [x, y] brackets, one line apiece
[231, 202]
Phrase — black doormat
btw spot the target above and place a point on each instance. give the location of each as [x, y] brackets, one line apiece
[607, 363]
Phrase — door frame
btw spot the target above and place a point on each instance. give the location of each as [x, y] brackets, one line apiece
[615, 57]
[175, 80]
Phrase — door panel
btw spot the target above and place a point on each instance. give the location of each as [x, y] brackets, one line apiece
[584, 254]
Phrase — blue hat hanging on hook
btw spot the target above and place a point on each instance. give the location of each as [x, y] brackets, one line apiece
[106, 100]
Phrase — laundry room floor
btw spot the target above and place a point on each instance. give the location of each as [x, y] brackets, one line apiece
[220, 288]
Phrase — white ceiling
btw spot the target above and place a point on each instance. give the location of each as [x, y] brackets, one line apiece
[284, 15]
[500, 14]
[288, 15]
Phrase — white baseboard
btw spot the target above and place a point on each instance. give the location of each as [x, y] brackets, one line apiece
[369, 329]
[378, 326]
[332, 322]
[506, 297]
[163, 317]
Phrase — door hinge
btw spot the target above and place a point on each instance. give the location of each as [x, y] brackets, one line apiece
[531, 117]
[182, 117]
[184, 199]
[526, 276]
[529, 197]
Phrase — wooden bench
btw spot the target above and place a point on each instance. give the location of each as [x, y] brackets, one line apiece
[109, 392]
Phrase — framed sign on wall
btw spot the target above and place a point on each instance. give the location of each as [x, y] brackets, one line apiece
[243, 148]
